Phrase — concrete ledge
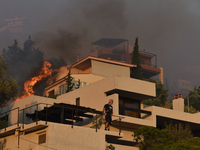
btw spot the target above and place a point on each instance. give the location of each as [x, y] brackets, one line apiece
[114, 134]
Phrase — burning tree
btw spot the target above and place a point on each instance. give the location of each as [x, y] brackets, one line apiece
[44, 72]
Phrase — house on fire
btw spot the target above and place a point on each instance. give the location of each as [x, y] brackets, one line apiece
[41, 123]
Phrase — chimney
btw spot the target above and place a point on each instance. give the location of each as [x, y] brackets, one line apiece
[178, 102]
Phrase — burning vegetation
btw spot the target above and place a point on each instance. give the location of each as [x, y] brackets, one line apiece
[44, 72]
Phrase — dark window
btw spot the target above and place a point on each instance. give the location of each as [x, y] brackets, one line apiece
[78, 101]
[42, 138]
[4, 122]
[51, 92]
[125, 106]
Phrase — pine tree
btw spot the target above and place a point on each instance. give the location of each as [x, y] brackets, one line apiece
[69, 81]
[136, 72]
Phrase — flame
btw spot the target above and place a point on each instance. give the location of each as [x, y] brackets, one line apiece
[44, 72]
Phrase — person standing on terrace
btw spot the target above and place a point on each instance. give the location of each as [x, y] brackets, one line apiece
[108, 111]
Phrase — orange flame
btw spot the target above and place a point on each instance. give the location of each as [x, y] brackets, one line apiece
[44, 72]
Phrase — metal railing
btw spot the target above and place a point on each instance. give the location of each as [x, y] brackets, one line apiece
[74, 110]
[6, 120]
[120, 120]
[36, 112]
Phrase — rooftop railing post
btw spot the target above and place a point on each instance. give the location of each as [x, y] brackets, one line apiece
[96, 122]
[23, 118]
[119, 125]
[36, 114]
[72, 118]
[46, 113]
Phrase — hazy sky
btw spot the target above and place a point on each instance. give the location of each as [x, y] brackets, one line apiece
[170, 29]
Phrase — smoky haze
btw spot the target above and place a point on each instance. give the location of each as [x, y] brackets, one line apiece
[63, 29]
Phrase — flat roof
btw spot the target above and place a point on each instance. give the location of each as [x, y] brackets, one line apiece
[109, 42]
[89, 58]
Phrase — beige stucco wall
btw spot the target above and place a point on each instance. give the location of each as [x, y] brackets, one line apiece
[93, 95]
[63, 137]
[136, 86]
[26, 142]
[59, 137]
[106, 69]
[170, 113]
[161, 75]
[178, 104]
[88, 78]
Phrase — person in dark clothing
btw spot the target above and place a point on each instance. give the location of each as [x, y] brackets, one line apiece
[108, 111]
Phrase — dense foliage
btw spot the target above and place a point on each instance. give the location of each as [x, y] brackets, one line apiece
[194, 98]
[172, 137]
[136, 72]
[161, 95]
[8, 86]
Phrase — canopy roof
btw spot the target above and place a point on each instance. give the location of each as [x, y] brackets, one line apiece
[108, 42]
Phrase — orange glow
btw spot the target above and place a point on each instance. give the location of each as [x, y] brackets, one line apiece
[44, 72]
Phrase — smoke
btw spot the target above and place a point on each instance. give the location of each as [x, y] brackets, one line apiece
[73, 30]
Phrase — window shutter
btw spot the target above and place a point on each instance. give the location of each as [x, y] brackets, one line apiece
[42, 138]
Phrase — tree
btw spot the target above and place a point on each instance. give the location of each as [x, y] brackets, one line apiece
[136, 72]
[69, 81]
[172, 137]
[194, 98]
[8, 86]
[98, 123]
[192, 110]
[23, 63]
[78, 85]
[161, 95]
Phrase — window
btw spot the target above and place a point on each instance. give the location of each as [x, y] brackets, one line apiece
[62, 89]
[125, 106]
[52, 92]
[42, 138]
[78, 101]
[84, 84]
